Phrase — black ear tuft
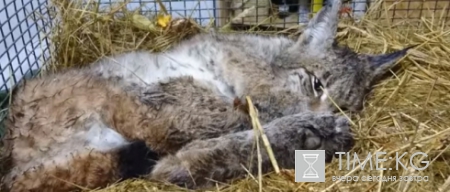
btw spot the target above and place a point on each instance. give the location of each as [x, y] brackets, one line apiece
[136, 160]
[383, 62]
[389, 58]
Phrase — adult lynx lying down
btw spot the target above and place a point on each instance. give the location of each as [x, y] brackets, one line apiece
[170, 116]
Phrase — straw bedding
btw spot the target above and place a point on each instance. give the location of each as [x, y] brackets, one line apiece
[409, 111]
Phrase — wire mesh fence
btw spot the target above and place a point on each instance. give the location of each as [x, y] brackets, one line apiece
[26, 24]
[287, 13]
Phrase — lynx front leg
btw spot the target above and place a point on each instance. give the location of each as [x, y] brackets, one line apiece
[202, 162]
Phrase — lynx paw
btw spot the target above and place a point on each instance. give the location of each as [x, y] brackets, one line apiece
[329, 125]
[342, 139]
[327, 132]
[342, 125]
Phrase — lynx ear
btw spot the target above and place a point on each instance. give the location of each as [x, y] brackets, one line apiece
[321, 30]
[382, 63]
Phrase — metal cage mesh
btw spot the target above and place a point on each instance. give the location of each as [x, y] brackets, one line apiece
[26, 24]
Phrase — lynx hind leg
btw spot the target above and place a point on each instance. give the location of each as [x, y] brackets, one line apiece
[92, 158]
[203, 162]
[89, 170]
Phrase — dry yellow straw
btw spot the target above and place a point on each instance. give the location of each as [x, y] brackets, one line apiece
[257, 125]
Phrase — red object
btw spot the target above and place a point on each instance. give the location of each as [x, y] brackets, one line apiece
[345, 10]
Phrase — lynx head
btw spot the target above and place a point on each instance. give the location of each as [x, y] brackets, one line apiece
[328, 72]
[345, 77]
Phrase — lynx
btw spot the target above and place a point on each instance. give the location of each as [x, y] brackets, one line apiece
[170, 116]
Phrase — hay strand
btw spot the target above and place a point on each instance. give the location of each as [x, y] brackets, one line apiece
[257, 125]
